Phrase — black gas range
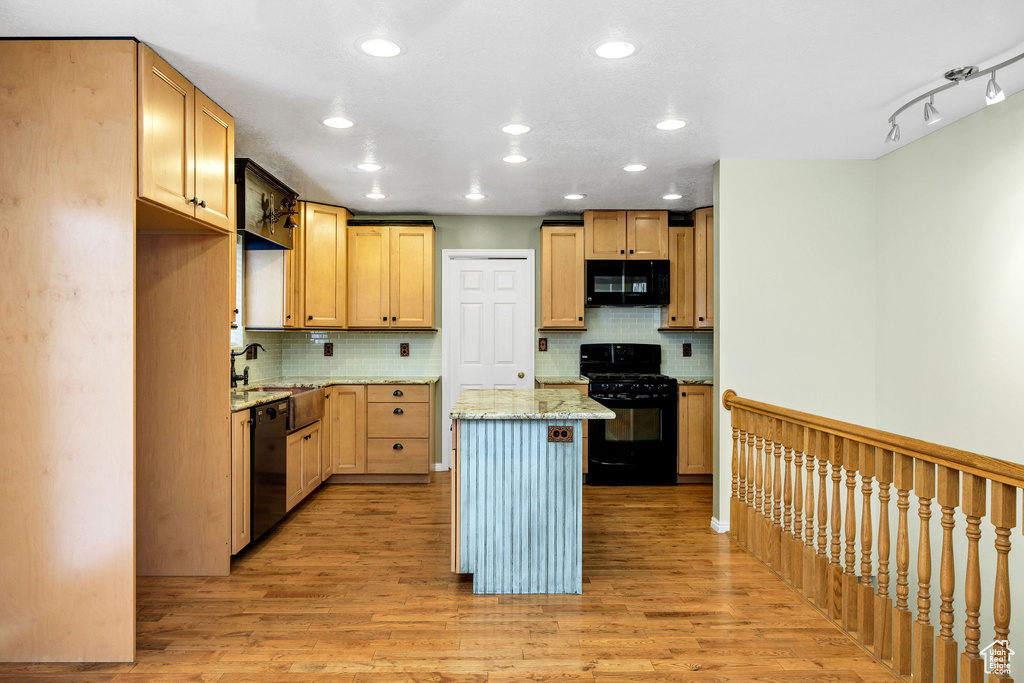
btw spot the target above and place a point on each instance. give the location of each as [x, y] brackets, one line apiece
[638, 447]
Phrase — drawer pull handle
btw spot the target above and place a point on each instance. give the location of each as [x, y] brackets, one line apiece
[398, 411]
[397, 392]
[397, 447]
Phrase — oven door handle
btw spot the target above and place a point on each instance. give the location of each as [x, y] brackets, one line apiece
[638, 403]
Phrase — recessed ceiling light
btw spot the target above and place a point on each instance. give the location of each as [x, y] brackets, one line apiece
[633, 168]
[516, 128]
[672, 196]
[379, 47]
[369, 166]
[375, 195]
[575, 196]
[515, 158]
[671, 124]
[475, 195]
[337, 122]
[614, 49]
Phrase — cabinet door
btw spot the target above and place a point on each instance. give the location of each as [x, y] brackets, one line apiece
[605, 234]
[291, 283]
[293, 479]
[694, 430]
[704, 267]
[241, 478]
[680, 305]
[215, 164]
[326, 425]
[311, 459]
[647, 235]
[166, 134]
[563, 291]
[348, 429]
[369, 285]
[412, 276]
[324, 265]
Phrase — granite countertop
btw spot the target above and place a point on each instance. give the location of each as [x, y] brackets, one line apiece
[561, 379]
[695, 380]
[243, 398]
[528, 404]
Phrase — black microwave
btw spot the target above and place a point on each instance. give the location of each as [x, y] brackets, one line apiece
[628, 283]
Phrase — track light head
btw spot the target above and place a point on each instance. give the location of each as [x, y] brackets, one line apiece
[993, 93]
[931, 114]
[894, 133]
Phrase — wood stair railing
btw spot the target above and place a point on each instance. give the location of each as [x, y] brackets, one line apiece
[782, 462]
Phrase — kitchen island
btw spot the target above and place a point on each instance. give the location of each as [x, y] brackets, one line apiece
[517, 488]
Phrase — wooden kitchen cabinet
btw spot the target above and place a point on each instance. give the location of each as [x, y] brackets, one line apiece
[391, 275]
[695, 429]
[585, 390]
[563, 289]
[681, 299]
[186, 149]
[241, 480]
[323, 264]
[704, 268]
[345, 440]
[302, 470]
[399, 419]
[625, 235]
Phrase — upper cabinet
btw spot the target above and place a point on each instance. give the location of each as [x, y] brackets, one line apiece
[619, 235]
[691, 252]
[680, 307]
[704, 268]
[186, 149]
[562, 284]
[324, 264]
[391, 275]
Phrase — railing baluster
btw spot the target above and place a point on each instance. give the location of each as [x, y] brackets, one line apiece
[948, 496]
[821, 560]
[850, 462]
[836, 584]
[807, 552]
[769, 488]
[796, 553]
[786, 538]
[883, 603]
[924, 633]
[734, 501]
[751, 474]
[1004, 519]
[766, 485]
[777, 496]
[972, 666]
[757, 519]
[866, 592]
[902, 620]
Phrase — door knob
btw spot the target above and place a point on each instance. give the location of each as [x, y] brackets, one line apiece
[521, 375]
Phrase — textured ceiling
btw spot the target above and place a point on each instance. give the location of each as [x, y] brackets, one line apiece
[784, 79]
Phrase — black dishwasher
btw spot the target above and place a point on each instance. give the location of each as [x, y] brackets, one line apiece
[269, 460]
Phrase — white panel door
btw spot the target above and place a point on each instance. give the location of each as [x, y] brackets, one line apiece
[488, 324]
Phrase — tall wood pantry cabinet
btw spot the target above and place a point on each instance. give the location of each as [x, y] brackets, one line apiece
[563, 289]
[391, 274]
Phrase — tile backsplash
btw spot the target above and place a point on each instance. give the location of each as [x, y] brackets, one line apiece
[360, 353]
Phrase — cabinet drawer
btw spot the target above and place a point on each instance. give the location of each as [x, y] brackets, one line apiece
[412, 458]
[398, 393]
[389, 420]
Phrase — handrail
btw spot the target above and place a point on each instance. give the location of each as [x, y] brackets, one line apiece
[1002, 471]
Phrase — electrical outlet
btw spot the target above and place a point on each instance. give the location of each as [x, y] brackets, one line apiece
[403, 349]
[250, 353]
[687, 350]
[560, 434]
[542, 344]
[328, 348]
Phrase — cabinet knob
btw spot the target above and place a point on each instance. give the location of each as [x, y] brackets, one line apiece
[385, 318]
[700, 318]
[398, 411]
[397, 392]
[673, 317]
[203, 205]
[622, 251]
[392, 317]
[397, 447]
[630, 251]
[194, 200]
[235, 311]
[287, 317]
[310, 317]
[581, 318]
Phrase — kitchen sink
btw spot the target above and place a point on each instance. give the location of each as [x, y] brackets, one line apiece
[305, 405]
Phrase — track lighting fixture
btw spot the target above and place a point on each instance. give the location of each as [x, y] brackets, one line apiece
[993, 93]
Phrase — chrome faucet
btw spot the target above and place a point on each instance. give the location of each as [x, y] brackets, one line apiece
[245, 373]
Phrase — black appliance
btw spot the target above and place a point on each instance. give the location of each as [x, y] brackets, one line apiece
[269, 460]
[638, 447]
[628, 283]
[267, 208]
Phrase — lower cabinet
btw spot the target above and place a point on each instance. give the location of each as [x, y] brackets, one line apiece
[694, 452]
[302, 472]
[241, 478]
[346, 443]
[585, 390]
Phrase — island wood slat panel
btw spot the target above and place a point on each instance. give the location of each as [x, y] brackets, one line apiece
[520, 507]
[780, 462]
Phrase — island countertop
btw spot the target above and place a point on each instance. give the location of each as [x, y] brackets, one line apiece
[527, 404]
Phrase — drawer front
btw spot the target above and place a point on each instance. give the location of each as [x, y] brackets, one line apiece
[412, 458]
[388, 420]
[398, 393]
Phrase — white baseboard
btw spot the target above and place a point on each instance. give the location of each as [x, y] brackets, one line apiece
[439, 467]
[719, 526]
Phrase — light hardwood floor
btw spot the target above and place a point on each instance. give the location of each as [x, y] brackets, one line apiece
[354, 586]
